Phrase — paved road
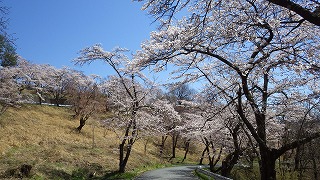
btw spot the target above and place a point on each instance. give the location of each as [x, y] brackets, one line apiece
[179, 172]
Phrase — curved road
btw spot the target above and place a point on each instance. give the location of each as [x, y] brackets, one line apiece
[179, 172]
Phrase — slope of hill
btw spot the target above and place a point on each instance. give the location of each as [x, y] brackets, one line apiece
[43, 137]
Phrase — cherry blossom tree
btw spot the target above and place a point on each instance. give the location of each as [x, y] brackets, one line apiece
[58, 81]
[85, 97]
[211, 133]
[9, 88]
[124, 120]
[218, 130]
[168, 121]
[34, 77]
[46, 80]
[177, 92]
[307, 10]
[127, 97]
[246, 49]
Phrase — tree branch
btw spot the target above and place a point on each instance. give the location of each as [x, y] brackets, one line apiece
[296, 143]
[312, 17]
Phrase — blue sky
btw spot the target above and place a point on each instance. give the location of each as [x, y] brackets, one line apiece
[53, 31]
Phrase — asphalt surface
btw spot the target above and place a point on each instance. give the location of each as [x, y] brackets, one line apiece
[179, 172]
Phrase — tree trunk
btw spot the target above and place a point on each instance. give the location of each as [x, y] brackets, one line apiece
[186, 148]
[82, 123]
[211, 166]
[145, 146]
[126, 144]
[229, 162]
[124, 153]
[202, 155]
[314, 167]
[174, 145]
[3, 108]
[297, 158]
[163, 140]
[40, 100]
[57, 101]
[211, 159]
[267, 157]
[268, 163]
[232, 159]
[123, 161]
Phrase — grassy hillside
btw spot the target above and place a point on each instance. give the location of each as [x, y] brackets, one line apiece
[44, 137]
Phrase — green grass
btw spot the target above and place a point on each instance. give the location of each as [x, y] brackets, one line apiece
[203, 176]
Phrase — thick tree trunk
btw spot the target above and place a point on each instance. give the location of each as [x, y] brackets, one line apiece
[212, 161]
[122, 165]
[126, 144]
[268, 163]
[124, 159]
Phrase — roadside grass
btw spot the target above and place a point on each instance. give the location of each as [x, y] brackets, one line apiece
[45, 138]
[203, 176]
[240, 172]
[247, 173]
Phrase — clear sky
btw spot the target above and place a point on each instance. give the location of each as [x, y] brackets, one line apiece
[53, 31]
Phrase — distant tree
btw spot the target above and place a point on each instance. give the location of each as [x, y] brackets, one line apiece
[8, 55]
[57, 82]
[33, 77]
[218, 128]
[168, 121]
[179, 91]
[9, 88]
[211, 132]
[12, 86]
[85, 97]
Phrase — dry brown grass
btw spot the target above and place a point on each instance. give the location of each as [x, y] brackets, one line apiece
[44, 137]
